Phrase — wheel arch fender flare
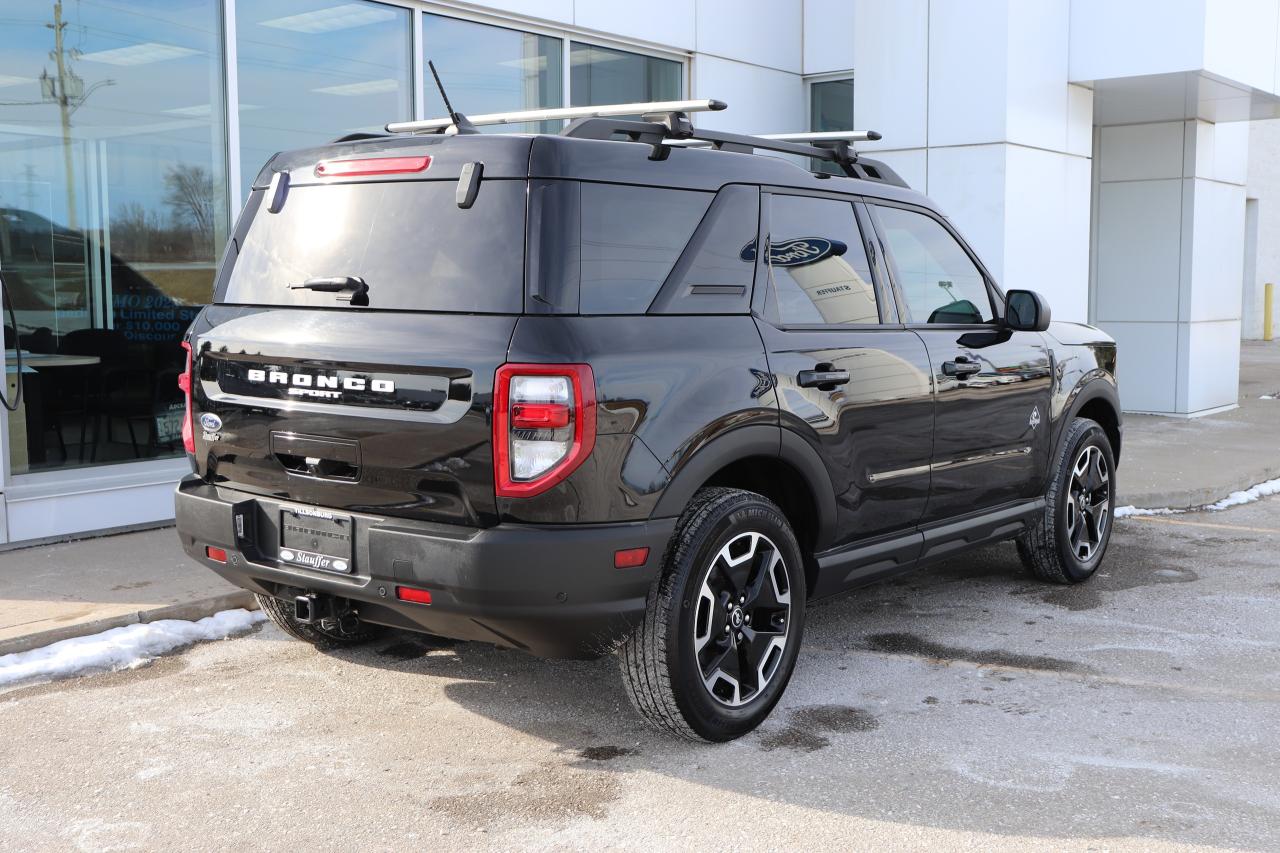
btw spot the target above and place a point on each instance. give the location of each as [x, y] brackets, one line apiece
[742, 443]
[1098, 386]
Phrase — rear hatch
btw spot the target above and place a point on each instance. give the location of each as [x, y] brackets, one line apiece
[306, 393]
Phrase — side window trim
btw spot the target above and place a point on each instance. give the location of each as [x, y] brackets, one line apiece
[994, 295]
[771, 311]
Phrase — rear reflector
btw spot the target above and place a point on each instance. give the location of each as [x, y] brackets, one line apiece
[371, 166]
[184, 384]
[417, 596]
[539, 415]
[630, 558]
[216, 554]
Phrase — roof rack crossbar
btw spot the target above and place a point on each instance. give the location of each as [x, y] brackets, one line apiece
[443, 125]
[675, 131]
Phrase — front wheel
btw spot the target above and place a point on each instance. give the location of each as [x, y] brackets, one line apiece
[723, 622]
[1067, 543]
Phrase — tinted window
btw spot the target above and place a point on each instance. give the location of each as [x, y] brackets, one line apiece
[818, 263]
[939, 281]
[631, 237]
[408, 240]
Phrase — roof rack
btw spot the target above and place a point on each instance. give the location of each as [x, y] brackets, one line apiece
[666, 124]
[468, 124]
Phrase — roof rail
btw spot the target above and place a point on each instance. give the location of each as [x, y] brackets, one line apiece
[468, 124]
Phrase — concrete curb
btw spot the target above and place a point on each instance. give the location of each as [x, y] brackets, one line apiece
[1194, 498]
[188, 610]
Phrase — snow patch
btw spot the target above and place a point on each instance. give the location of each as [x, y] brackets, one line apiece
[1244, 496]
[1249, 495]
[122, 648]
[1268, 397]
[1124, 511]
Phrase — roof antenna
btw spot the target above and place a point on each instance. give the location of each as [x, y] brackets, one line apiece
[460, 122]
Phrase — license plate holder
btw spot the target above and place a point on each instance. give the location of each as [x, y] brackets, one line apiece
[316, 539]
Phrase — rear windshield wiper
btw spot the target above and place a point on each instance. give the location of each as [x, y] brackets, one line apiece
[359, 294]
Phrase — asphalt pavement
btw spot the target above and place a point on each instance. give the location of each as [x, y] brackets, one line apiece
[965, 706]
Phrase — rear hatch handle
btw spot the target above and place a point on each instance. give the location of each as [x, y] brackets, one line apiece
[359, 291]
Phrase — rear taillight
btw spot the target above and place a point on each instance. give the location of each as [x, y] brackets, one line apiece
[544, 425]
[184, 382]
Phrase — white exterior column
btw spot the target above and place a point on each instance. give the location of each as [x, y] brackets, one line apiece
[1169, 260]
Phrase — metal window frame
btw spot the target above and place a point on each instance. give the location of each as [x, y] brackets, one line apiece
[828, 77]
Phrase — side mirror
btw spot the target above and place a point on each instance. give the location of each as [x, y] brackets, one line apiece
[1026, 311]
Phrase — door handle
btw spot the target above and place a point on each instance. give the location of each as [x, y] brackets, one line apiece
[961, 367]
[824, 378]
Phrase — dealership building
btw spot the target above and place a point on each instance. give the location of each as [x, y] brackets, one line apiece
[1114, 155]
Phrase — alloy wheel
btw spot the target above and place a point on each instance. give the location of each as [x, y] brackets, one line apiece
[1088, 503]
[742, 619]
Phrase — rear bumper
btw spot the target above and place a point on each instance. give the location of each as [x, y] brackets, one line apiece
[551, 590]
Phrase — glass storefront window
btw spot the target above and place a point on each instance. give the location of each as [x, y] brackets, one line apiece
[487, 69]
[113, 208]
[603, 75]
[830, 108]
[310, 71]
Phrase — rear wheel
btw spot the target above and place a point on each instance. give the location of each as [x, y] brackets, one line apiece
[724, 620]
[1067, 544]
[281, 613]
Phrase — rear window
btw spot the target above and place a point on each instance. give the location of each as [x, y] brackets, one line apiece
[407, 240]
[631, 237]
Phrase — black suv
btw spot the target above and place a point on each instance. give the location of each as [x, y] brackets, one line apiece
[608, 391]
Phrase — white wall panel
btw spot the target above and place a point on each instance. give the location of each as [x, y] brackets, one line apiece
[828, 35]
[558, 11]
[1135, 37]
[1037, 96]
[1240, 40]
[1140, 152]
[891, 86]
[760, 100]
[1217, 252]
[763, 32]
[968, 183]
[968, 67]
[1146, 365]
[1047, 228]
[1139, 250]
[1212, 357]
[1080, 121]
[666, 22]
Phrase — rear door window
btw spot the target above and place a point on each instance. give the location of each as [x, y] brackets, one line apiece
[818, 263]
[631, 238]
[407, 240]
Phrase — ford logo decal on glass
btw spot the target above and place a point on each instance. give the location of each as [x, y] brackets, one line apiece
[210, 422]
[797, 251]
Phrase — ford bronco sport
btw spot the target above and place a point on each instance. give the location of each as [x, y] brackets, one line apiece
[630, 388]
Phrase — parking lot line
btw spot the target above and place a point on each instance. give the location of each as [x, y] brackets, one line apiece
[1160, 520]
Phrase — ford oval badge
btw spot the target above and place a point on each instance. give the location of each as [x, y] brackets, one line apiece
[210, 422]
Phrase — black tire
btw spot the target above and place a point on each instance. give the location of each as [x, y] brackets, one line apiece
[1067, 544]
[692, 623]
[281, 613]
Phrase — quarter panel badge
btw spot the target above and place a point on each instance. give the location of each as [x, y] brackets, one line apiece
[1035, 417]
